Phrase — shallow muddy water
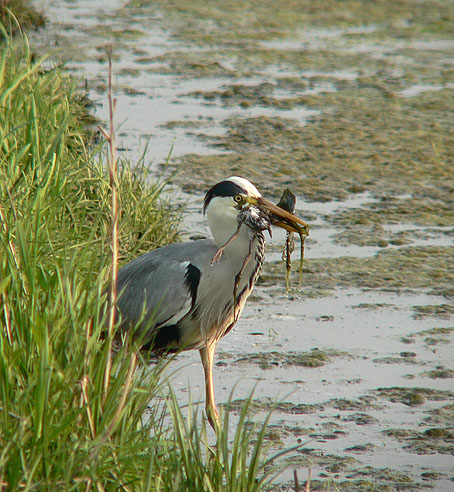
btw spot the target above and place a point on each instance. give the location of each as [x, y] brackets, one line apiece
[353, 111]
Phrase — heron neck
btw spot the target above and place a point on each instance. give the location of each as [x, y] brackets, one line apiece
[223, 222]
[224, 228]
[240, 246]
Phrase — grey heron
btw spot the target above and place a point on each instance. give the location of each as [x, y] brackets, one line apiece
[187, 295]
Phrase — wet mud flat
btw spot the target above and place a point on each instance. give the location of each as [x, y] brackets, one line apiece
[350, 104]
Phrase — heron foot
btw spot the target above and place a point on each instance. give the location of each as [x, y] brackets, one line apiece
[213, 417]
[217, 256]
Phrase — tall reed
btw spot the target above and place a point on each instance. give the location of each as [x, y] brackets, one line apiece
[54, 232]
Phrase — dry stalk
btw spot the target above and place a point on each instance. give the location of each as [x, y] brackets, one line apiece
[84, 402]
[297, 483]
[112, 166]
[308, 482]
[88, 485]
[100, 487]
[9, 333]
[85, 380]
[124, 395]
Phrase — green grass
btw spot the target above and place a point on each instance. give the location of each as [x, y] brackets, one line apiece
[58, 429]
[25, 15]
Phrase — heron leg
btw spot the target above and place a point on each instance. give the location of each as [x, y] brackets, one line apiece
[207, 356]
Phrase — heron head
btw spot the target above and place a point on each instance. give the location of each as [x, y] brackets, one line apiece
[226, 199]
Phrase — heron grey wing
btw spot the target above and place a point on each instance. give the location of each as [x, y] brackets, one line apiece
[160, 287]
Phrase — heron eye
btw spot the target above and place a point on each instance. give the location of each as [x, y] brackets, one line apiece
[239, 199]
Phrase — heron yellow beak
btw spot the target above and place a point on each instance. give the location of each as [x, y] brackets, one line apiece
[280, 217]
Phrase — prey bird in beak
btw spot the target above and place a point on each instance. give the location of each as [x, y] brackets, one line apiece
[282, 215]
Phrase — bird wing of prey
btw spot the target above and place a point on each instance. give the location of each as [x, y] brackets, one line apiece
[159, 288]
